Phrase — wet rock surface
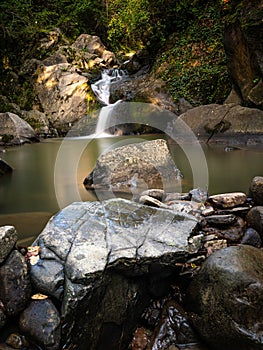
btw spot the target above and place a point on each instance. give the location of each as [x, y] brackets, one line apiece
[8, 239]
[15, 283]
[118, 248]
[41, 321]
[226, 299]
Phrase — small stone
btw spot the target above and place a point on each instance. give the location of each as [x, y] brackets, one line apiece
[153, 202]
[221, 220]
[240, 211]
[234, 233]
[255, 219]
[228, 200]
[208, 211]
[252, 237]
[212, 246]
[256, 190]
[195, 243]
[198, 195]
[16, 341]
[158, 194]
[8, 238]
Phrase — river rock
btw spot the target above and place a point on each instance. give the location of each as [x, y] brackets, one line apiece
[158, 194]
[15, 130]
[226, 299]
[219, 220]
[251, 237]
[131, 167]
[41, 321]
[228, 200]
[15, 283]
[255, 219]
[5, 168]
[148, 200]
[8, 239]
[232, 233]
[113, 255]
[217, 123]
[256, 190]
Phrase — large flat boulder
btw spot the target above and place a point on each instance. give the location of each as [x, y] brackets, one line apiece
[104, 261]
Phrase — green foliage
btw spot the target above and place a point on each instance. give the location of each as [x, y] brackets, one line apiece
[193, 61]
[134, 24]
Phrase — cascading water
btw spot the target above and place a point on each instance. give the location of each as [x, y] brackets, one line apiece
[101, 90]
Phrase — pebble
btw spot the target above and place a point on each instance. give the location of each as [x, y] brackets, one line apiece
[220, 220]
[228, 200]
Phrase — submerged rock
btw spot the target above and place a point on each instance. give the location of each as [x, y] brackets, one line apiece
[113, 257]
[226, 299]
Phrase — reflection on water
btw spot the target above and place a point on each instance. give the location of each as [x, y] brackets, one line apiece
[29, 197]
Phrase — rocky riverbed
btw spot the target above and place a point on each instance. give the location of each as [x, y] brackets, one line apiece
[166, 271]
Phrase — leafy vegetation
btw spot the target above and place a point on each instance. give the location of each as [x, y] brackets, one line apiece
[193, 60]
[187, 34]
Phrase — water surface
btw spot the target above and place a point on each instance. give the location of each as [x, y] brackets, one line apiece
[44, 177]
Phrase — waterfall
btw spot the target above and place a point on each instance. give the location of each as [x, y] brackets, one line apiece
[101, 90]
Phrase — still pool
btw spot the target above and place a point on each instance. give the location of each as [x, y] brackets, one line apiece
[49, 175]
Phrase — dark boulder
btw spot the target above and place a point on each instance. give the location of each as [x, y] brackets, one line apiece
[226, 299]
[255, 219]
[15, 288]
[41, 322]
[251, 237]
